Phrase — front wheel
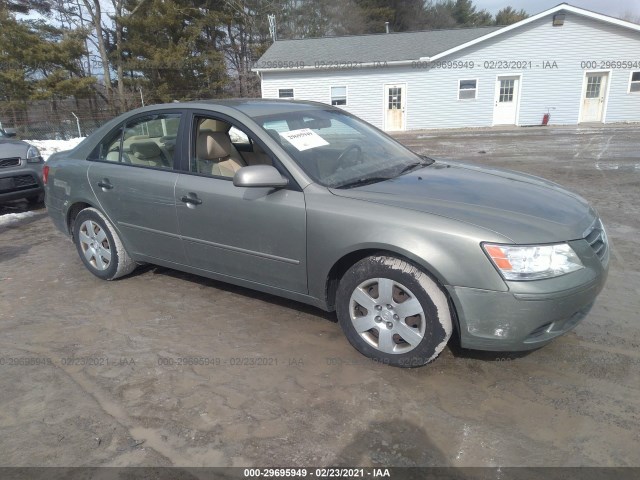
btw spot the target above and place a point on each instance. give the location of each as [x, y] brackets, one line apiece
[393, 312]
[99, 246]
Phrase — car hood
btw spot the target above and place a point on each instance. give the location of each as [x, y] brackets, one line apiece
[522, 207]
[10, 147]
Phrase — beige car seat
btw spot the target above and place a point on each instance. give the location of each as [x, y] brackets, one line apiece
[258, 156]
[148, 154]
[216, 155]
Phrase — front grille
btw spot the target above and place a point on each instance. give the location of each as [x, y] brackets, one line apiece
[9, 162]
[597, 238]
[24, 181]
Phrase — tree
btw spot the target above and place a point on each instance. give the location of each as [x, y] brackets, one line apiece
[25, 6]
[509, 15]
[630, 16]
[439, 15]
[43, 62]
[465, 14]
[94, 10]
[402, 15]
[169, 48]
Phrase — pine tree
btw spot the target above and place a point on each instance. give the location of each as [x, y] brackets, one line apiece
[509, 15]
[169, 49]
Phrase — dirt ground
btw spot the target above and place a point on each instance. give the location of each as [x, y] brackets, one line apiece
[165, 368]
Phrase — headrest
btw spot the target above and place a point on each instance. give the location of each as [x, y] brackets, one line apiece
[145, 150]
[213, 145]
[214, 125]
[133, 139]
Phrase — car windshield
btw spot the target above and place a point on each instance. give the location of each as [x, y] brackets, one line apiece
[337, 150]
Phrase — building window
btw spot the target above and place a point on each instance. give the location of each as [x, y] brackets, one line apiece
[634, 84]
[593, 86]
[338, 95]
[285, 93]
[506, 90]
[467, 89]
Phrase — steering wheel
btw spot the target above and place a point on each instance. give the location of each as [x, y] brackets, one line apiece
[344, 153]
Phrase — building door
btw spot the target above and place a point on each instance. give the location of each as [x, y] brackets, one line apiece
[594, 91]
[394, 107]
[505, 111]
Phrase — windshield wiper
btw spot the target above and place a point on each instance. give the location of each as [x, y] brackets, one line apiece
[426, 161]
[363, 181]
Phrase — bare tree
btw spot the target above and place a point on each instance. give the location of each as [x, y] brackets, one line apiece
[631, 16]
[94, 9]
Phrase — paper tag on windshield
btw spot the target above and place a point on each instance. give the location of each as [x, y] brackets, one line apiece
[304, 139]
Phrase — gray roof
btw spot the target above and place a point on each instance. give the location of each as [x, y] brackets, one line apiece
[381, 47]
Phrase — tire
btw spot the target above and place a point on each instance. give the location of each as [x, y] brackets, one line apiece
[99, 246]
[393, 312]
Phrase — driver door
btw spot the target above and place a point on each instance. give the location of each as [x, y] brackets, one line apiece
[254, 234]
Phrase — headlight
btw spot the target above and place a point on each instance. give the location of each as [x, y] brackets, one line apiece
[33, 155]
[533, 262]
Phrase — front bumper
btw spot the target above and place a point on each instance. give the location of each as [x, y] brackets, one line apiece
[21, 181]
[530, 314]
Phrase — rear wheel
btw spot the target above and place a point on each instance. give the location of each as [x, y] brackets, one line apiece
[99, 246]
[393, 312]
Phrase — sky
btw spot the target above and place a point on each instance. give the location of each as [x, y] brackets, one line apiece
[615, 8]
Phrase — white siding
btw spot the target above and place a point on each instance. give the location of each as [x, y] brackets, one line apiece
[432, 95]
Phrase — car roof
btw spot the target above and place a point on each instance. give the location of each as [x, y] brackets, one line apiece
[252, 107]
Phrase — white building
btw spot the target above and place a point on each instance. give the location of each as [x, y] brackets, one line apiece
[575, 64]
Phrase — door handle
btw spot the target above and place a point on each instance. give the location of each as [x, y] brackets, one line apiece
[105, 184]
[191, 199]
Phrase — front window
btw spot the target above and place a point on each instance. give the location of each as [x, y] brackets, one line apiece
[285, 93]
[634, 84]
[593, 86]
[467, 89]
[338, 150]
[338, 95]
[506, 91]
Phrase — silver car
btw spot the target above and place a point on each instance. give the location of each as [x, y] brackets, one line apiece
[305, 201]
[20, 170]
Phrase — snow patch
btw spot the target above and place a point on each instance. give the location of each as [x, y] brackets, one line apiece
[11, 218]
[49, 147]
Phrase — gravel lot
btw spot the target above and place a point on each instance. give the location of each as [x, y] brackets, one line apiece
[91, 371]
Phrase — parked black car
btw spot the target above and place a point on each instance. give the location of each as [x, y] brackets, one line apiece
[20, 170]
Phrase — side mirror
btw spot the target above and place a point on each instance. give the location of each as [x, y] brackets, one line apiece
[10, 132]
[259, 176]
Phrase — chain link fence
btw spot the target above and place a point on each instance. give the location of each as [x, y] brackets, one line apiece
[54, 120]
[58, 128]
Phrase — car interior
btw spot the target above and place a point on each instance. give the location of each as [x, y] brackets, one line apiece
[222, 150]
[345, 147]
[149, 151]
[148, 143]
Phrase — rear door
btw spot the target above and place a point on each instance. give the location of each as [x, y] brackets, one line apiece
[594, 93]
[394, 107]
[505, 110]
[133, 178]
[253, 234]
